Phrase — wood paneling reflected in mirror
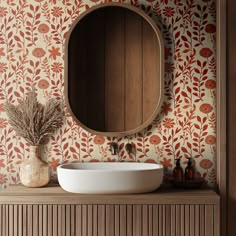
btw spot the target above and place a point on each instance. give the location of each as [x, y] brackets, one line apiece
[114, 70]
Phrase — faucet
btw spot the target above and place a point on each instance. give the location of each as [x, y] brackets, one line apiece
[114, 148]
[129, 148]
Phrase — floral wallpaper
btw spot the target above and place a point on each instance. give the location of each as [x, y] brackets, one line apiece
[32, 37]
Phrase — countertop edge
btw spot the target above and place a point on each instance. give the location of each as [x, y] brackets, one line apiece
[56, 195]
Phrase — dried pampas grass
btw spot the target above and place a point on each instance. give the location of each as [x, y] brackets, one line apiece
[33, 121]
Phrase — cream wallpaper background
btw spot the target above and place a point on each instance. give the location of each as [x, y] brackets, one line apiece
[32, 37]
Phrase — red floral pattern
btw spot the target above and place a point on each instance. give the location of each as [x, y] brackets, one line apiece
[32, 38]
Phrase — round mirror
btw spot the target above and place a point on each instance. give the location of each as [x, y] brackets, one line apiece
[114, 70]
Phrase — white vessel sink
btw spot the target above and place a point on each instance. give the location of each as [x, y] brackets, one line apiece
[110, 177]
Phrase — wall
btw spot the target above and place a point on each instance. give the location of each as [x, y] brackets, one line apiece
[32, 36]
[231, 116]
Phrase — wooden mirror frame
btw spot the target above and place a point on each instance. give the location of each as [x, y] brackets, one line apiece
[160, 66]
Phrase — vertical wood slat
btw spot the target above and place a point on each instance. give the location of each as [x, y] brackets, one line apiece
[133, 71]
[84, 218]
[45, 220]
[78, 222]
[137, 220]
[197, 220]
[4, 220]
[202, 220]
[114, 70]
[144, 219]
[117, 220]
[24, 221]
[55, 217]
[110, 220]
[35, 219]
[173, 220]
[123, 220]
[90, 220]
[192, 220]
[155, 220]
[209, 216]
[72, 217]
[178, 220]
[16, 216]
[150, 68]
[150, 220]
[129, 220]
[216, 220]
[94, 76]
[11, 220]
[68, 220]
[187, 220]
[29, 220]
[95, 220]
[63, 216]
[40, 220]
[168, 220]
[160, 220]
[182, 227]
[7, 219]
[59, 220]
[164, 218]
[101, 220]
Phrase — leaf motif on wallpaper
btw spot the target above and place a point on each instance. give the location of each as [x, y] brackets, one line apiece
[59, 29]
[46, 11]
[146, 8]
[46, 68]
[3, 179]
[212, 66]
[32, 23]
[212, 121]
[212, 176]
[177, 98]
[157, 9]
[171, 142]
[15, 179]
[143, 146]
[2, 165]
[87, 145]
[199, 24]
[199, 80]
[60, 146]
[73, 153]
[20, 42]
[5, 31]
[199, 135]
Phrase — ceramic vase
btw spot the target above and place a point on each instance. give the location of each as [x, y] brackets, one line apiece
[34, 172]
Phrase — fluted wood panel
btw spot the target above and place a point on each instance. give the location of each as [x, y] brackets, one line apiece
[109, 220]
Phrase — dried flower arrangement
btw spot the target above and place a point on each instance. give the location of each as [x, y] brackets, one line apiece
[33, 121]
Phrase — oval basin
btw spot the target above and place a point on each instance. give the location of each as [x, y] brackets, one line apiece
[110, 177]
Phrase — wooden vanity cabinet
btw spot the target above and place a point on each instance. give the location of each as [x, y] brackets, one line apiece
[51, 211]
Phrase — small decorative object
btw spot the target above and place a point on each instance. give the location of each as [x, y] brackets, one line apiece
[187, 181]
[36, 123]
[178, 171]
[189, 171]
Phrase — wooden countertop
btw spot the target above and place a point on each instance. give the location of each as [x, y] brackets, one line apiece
[54, 194]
